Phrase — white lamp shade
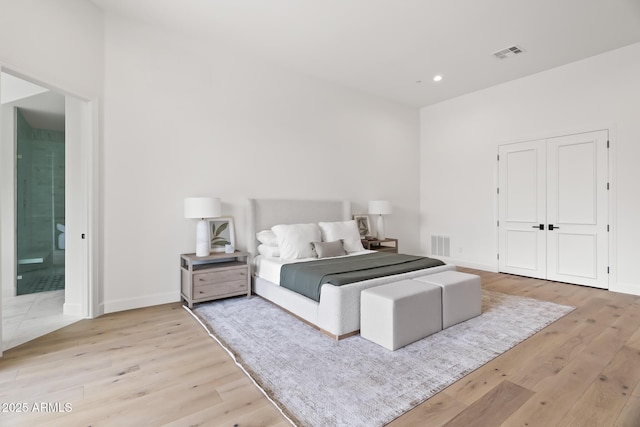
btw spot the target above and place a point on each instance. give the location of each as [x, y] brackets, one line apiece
[202, 207]
[380, 207]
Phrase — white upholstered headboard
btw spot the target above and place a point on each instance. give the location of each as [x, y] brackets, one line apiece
[265, 213]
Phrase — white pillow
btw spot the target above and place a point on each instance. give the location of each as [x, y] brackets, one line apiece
[345, 230]
[269, 250]
[295, 240]
[267, 237]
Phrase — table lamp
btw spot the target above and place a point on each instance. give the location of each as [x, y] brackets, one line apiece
[380, 207]
[202, 208]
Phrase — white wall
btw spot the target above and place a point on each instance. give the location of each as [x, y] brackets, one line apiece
[459, 140]
[186, 117]
[58, 43]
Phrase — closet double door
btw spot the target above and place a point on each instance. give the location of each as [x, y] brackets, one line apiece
[553, 209]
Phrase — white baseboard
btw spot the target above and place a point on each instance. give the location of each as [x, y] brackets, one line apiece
[466, 263]
[99, 310]
[475, 266]
[69, 309]
[139, 302]
[626, 288]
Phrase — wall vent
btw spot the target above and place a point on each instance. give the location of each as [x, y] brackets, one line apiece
[440, 245]
[508, 52]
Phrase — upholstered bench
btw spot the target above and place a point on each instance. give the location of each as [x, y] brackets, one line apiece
[400, 313]
[461, 295]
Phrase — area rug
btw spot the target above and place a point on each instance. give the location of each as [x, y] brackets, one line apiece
[317, 381]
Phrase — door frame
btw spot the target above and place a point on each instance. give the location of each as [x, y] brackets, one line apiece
[612, 194]
[90, 159]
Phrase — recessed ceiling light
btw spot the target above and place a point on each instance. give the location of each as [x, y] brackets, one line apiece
[437, 78]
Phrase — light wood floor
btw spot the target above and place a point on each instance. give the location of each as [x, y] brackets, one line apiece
[157, 366]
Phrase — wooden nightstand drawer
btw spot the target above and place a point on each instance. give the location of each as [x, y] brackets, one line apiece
[221, 275]
[220, 289]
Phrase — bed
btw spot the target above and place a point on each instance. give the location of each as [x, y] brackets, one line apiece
[337, 313]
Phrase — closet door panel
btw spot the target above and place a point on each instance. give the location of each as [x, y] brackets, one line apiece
[576, 255]
[577, 209]
[522, 209]
[573, 182]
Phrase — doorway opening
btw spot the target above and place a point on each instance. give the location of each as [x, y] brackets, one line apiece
[34, 195]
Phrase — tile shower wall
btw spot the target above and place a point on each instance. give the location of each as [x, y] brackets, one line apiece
[40, 189]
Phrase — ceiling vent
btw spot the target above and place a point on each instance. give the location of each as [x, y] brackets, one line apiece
[508, 52]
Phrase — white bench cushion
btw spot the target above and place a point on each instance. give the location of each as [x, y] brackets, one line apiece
[400, 313]
[461, 295]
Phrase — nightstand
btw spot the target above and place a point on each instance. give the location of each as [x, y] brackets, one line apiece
[386, 245]
[215, 276]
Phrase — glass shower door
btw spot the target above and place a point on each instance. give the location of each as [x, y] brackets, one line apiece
[40, 207]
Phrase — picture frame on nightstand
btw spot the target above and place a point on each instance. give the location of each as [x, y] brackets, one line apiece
[364, 226]
[222, 233]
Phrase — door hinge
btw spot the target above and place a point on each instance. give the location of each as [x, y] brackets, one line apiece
[607, 270]
[498, 190]
[498, 256]
[498, 223]
[607, 185]
[607, 227]
[498, 157]
[607, 143]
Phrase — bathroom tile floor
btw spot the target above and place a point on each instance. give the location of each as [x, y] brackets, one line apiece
[41, 280]
[25, 317]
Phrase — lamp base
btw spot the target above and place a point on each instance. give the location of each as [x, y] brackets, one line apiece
[202, 238]
[380, 228]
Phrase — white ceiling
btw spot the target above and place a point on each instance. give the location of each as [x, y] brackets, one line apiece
[384, 47]
[41, 107]
[13, 88]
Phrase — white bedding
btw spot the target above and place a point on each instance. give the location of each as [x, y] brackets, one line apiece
[268, 268]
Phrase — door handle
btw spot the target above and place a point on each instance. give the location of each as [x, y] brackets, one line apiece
[539, 227]
[552, 227]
